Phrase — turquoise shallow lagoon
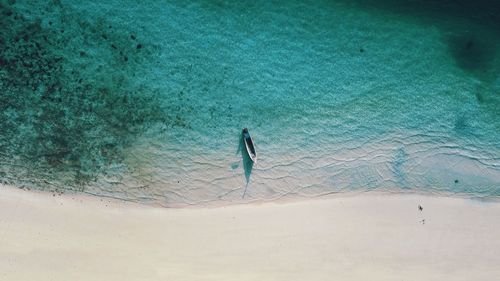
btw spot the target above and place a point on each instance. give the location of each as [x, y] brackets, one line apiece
[146, 100]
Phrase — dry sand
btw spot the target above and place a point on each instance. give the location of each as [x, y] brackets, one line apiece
[369, 236]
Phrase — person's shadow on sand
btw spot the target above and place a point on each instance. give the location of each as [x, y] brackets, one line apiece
[247, 162]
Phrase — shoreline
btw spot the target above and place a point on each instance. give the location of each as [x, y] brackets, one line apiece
[283, 199]
[367, 236]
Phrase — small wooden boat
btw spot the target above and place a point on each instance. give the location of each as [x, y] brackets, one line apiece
[249, 145]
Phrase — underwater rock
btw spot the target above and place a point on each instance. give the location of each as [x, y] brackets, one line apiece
[472, 53]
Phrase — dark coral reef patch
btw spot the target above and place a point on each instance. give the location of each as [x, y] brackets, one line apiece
[64, 123]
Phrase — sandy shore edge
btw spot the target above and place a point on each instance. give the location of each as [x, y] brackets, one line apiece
[369, 236]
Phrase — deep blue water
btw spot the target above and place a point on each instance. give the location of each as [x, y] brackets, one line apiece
[146, 100]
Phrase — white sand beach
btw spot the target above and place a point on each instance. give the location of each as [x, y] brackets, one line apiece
[370, 236]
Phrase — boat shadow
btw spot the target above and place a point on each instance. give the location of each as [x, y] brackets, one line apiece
[247, 162]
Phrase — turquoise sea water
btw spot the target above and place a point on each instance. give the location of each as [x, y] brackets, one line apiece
[146, 100]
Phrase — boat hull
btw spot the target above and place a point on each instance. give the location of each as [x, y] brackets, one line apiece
[247, 139]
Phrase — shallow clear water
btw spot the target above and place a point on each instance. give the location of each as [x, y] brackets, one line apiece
[146, 101]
